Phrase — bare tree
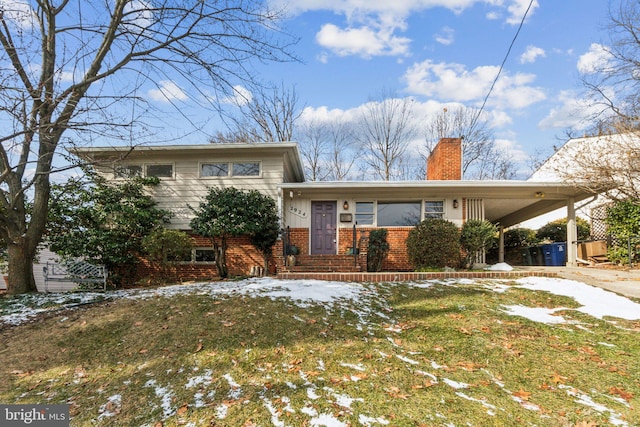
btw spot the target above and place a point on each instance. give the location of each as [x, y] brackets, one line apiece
[343, 150]
[481, 159]
[385, 129]
[613, 81]
[601, 163]
[81, 69]
[266, 115]
[314, 149]
[328, 148]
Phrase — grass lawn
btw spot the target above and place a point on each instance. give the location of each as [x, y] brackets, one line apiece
[427, 354]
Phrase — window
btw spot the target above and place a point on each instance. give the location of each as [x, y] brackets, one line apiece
[246, 169]
[364, 213]
[398, 214]
[214, 169]
[160, 171]
[128, 171]
[433, 209]
[205, 255]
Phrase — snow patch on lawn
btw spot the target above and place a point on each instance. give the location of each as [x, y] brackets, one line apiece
[536, 314]
[596, 302]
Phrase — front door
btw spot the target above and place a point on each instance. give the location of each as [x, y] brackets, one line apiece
[323, 228]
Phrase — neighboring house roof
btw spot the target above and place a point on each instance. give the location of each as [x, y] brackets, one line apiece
[578, 154]
[505, 202]
[289, 150]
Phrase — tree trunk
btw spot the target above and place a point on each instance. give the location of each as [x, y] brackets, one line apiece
[21, 278]
[221, 257]
[266, 262]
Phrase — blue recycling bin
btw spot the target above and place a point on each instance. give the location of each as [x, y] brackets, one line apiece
[555, 254]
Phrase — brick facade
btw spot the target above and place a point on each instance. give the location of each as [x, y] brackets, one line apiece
[445, 160]
[241, 257]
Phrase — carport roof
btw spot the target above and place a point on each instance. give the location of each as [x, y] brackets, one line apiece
[505, 202]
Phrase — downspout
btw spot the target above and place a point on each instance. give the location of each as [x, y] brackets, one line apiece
[280, 207]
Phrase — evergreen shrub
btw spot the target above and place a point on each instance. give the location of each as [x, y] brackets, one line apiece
[434, 243]
[377, 250]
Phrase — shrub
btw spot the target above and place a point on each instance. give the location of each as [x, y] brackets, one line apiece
[520, 238]
[434, 243]
[229, 212]
[475, 236]
[165, 247]
[103, 221]
[377, 250]
[556, 231]
[623, 221]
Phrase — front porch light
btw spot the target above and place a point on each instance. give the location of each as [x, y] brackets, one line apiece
[345, 205]
[455, 203]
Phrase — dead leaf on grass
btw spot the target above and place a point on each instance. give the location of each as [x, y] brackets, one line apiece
[183, 409]
[521, 394]
[198, 347]
[622, 393]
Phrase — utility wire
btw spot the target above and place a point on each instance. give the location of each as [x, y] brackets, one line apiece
[513, 41]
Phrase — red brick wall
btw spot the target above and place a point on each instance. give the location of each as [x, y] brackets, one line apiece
[241, 256]
[445, 161]
[397, 259]
[299, 237]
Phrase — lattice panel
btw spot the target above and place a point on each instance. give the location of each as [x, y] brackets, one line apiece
[598, 225]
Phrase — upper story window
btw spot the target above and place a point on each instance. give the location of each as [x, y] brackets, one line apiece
[160, 171]
[128, 171]
[246, 169]
[433, 209]
[364, 213]
[214, 169]
[398, 214]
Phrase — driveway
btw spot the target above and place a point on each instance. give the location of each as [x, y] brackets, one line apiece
[624, 282]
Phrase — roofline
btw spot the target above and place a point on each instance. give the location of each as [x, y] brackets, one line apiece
[289, 147]
[182, 147]
[429, 184]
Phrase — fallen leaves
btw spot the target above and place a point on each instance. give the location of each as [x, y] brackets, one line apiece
[521, 394]
[622, 393]
[395, 393]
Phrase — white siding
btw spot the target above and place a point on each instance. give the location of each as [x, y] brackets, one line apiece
[189, 189]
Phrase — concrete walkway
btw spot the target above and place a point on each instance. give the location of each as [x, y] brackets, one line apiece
[623, 282]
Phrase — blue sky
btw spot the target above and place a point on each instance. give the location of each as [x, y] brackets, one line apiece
[447, 51]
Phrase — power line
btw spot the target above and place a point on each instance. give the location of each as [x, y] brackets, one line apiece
[513, 41]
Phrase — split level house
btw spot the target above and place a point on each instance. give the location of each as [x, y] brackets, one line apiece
[327, 222]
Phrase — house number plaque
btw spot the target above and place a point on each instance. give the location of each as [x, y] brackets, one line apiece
[297, 211]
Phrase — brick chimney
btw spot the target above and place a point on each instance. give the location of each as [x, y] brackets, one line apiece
[445, 160]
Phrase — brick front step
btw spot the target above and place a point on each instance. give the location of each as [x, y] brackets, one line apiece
[411, 276]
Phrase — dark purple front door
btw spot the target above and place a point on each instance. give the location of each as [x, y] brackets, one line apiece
[323, 228]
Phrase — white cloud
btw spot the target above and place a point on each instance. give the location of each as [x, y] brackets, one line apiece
[597, 59]
[241, 96]
[364, 41]
[517, 9]
[572, 113]
[167, 92]
[531, 54]
[19, 12]
[138, 16]
[446, 36]
[372, 25]
[453, 82]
